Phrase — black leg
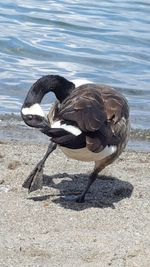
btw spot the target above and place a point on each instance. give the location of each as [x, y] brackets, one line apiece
[35, 180]
[91, 180]
[81, 197]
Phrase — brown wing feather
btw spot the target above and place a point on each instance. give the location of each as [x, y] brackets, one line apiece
[86, 108]
[95, 108]
[115, 104]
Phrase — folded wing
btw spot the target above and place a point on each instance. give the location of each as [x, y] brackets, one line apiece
[98, 111]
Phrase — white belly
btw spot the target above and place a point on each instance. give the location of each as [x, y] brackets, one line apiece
[84, 154]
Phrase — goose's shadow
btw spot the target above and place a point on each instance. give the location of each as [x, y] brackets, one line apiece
[105, 191]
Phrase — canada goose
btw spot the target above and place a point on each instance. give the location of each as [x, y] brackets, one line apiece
[88, 123]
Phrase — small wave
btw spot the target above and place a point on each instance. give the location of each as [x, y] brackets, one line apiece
[140, 134]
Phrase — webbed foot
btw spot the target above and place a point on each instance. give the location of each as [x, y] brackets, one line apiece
[35, 180]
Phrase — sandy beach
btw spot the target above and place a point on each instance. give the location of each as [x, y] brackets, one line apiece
[43, 229]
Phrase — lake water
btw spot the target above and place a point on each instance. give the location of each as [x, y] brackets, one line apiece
[103, 41]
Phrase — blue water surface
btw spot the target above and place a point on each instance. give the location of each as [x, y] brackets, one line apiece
[104, 41]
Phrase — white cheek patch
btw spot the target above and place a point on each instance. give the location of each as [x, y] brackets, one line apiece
[35, 109]
[69, 128]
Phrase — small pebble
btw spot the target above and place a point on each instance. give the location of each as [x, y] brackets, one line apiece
[14, 165]
[4, 189]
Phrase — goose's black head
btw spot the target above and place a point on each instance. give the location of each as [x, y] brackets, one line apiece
[31, 111]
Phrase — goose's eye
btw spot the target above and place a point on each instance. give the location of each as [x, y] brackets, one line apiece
[30, 117]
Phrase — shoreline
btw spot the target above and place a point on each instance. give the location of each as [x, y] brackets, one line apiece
[42, 229]
[13, 128]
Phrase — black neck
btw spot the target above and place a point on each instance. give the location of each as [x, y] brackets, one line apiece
[49, 83]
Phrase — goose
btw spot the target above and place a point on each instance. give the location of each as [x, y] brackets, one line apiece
[89, 122]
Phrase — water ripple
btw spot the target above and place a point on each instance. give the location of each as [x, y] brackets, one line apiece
[102, 41]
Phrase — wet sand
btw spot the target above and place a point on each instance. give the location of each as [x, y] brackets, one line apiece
[43, 229]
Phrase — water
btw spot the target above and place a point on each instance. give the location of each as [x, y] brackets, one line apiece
[104, 41]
